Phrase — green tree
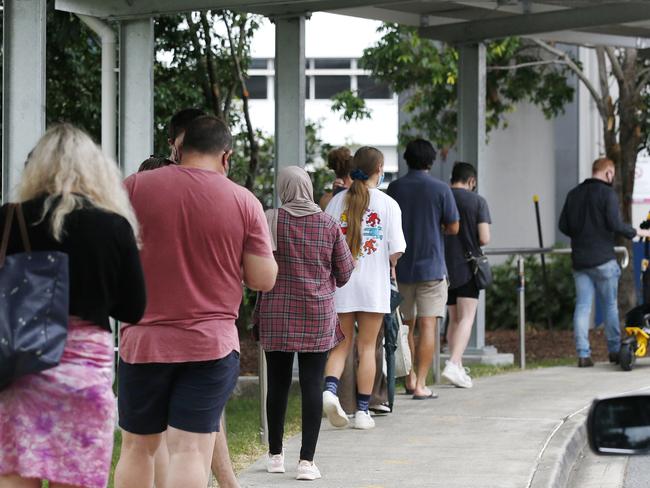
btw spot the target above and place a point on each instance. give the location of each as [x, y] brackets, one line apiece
[428, 72]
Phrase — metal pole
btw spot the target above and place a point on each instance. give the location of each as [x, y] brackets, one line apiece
[109, 82]
[522, 312]
[264, 423]
[549, 323]
[436, 351]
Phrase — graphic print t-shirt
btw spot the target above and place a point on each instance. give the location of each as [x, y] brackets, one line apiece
[381, 235]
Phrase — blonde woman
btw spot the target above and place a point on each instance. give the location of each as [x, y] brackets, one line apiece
[58, 425]
[372, 224]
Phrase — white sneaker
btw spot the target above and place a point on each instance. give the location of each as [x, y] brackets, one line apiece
[363, 420]
[332, 408]
[468, 378]
[456, 375]
[307, 471]
[275, 463]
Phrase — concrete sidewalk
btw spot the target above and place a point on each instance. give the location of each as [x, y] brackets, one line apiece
[515, 430]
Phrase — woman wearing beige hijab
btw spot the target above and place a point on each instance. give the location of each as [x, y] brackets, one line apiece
[298, 315]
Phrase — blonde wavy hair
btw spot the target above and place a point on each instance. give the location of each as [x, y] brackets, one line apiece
[69, 169]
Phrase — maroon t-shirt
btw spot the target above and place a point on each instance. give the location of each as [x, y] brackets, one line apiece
[196, 225]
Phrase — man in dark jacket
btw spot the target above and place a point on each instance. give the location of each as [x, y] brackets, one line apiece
[591, 218]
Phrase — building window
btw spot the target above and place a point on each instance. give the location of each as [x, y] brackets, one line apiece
[258, 63]
[257, 87]
[331, 63]
[371, 88]
[328, 86]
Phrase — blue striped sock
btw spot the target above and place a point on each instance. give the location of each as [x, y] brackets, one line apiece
[332, 384]
[363, 401]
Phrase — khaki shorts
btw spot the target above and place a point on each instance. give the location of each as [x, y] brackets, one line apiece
[423, 299]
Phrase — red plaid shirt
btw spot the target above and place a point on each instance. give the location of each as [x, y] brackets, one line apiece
[298, 314]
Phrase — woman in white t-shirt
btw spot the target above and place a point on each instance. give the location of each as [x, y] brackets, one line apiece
[372, 224]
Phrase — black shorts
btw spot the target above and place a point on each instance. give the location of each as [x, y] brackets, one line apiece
[187, 396]
[468, 290]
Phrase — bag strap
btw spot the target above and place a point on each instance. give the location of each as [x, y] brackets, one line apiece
[4, 244]
[23, 228]
[5, 233]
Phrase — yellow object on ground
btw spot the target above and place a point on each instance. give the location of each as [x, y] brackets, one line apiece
[641, 339]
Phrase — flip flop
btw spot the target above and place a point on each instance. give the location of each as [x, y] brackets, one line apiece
[433, 396]
[408, 391]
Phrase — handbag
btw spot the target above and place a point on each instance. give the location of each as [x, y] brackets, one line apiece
[34, 297]
[403, 360]
[480, 267]
[481, 270]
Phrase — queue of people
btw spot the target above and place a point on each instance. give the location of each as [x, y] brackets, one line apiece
[167, 252]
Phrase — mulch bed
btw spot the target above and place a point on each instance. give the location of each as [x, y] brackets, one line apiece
[540, 344]
[547, 344]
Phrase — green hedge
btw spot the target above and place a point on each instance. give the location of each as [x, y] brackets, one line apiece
[501, 298]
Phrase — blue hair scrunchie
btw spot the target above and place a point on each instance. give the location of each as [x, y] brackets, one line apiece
[359, 174]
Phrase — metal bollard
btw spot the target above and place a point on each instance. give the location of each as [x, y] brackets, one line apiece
[264, 423]
[436, 351]
[522, 312]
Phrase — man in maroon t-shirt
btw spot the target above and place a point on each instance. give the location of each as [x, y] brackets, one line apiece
[202, 235]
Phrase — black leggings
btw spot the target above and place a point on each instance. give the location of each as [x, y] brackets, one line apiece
[311, 366]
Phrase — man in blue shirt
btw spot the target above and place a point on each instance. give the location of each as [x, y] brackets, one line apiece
[428, 212]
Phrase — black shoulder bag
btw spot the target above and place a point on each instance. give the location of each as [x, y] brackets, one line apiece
[34, 297]
[480, 267]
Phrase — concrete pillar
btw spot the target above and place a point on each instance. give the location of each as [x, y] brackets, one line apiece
[289, 91]
[23, 90]
[471, 143]
[136, 93]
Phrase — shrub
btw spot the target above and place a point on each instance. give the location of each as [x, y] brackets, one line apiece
[502, 310]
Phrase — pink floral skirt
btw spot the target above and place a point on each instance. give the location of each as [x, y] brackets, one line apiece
[58, 424]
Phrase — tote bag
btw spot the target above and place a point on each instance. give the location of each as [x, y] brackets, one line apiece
[34, 296]
[403, 360]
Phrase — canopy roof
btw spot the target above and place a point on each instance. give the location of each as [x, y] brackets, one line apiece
[624, 23]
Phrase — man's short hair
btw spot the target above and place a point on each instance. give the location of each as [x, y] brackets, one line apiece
[154, 162]
[602, 164]
[419, 154]
[207, 135]
[462, 172]
[180, 120]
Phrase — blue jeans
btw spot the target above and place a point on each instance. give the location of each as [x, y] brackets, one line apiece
[604, 280]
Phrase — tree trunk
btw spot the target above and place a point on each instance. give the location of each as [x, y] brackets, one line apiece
[624, 154]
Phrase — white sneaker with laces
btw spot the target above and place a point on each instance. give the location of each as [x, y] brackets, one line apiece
[456, 375]
[332, 408]
[275, 463]
[307, 471]
[363, 420]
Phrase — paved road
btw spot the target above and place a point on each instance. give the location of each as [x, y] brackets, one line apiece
[638, 472]
[491, 436]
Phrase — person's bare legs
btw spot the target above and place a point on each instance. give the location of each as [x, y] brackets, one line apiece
[136, 465]
[411, 379]
[14, 481]
[338, 355]
[161, 463]
[189, 458]
[462, 327]
[424, 354]
[221, 465]
[369, 325]
[451, 326]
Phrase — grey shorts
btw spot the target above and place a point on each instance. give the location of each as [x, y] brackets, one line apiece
[423, 299]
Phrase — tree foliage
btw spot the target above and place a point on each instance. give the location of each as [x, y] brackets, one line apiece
[428, 72]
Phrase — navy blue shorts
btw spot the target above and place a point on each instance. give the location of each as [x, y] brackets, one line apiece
[187, 396]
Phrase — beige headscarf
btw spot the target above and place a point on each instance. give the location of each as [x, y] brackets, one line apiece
[296, 194]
